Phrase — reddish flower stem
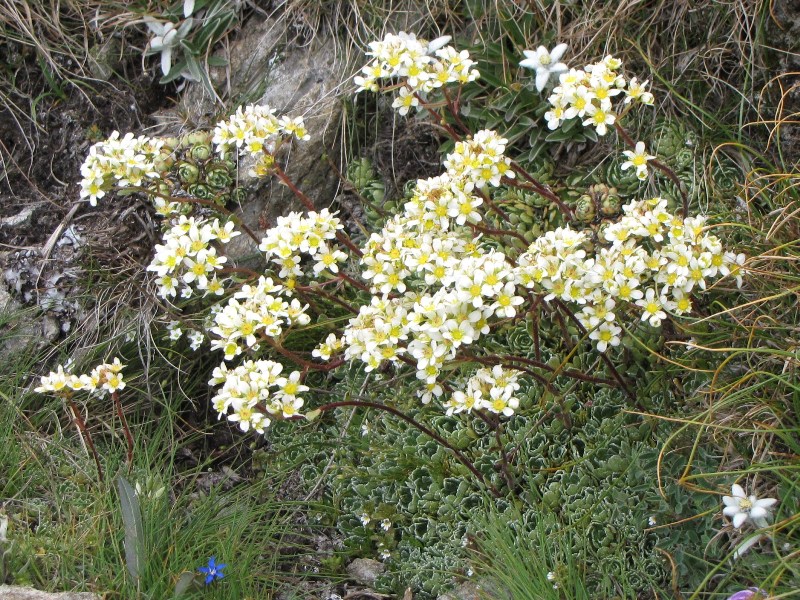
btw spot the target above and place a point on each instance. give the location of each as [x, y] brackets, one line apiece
[603, 356]
[658, 165]
[539, 188]
[302, 361]
[306, 201]
[87, 437]
[503, 232]
[125, 428]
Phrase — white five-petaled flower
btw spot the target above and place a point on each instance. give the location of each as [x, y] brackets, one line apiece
[545, 63]
[166, 37]
[637, 158]
[741, 507]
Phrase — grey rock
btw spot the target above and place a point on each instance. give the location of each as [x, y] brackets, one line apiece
[465, 591]
[105, 58]
[365, 570]
[23, 217]
[13, 592]
[295, 80]
[51, 328]
[19, 330]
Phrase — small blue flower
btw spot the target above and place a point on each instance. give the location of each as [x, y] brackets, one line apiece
[213, 570]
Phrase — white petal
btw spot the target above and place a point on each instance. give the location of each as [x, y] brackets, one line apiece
[530, 62]
[748, 543]
[157, 27]
[758, 512]
[166, 60]
[766, 502]
[761, 522]
[738, 491]
[188, 8]
[439, 42]
[169, 37]
[542, 77]
[739, 519]
[529, 53]
[729, 511]
[557, 52]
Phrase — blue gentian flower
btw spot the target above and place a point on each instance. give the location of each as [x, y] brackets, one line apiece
[213, 570]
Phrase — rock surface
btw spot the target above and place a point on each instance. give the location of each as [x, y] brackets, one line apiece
[475, 590]
[12, 592]
[295, 80]
[365, 570]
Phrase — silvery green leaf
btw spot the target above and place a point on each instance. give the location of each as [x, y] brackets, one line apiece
[134, 532]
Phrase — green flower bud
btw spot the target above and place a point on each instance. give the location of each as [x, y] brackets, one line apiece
[585, 209]
[200, 190]
[187, 172]
[218, 176]
[201, 152]
[199, 137]
[239, 195]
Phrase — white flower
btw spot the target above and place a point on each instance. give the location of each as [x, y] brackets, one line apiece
[545, 63]
[637, 158]
[741, 507]
[167, 36]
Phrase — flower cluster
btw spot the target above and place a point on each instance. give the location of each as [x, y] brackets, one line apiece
[423, 67]
[187, 261]
[104, 378]
[118, 162]
[255, 129]
[653, 262]
[295, 236]
[587, 94]
[254, 313]
[326, 349]
[479, 160]
[255, 392]
[492, 389]
[450, 287]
